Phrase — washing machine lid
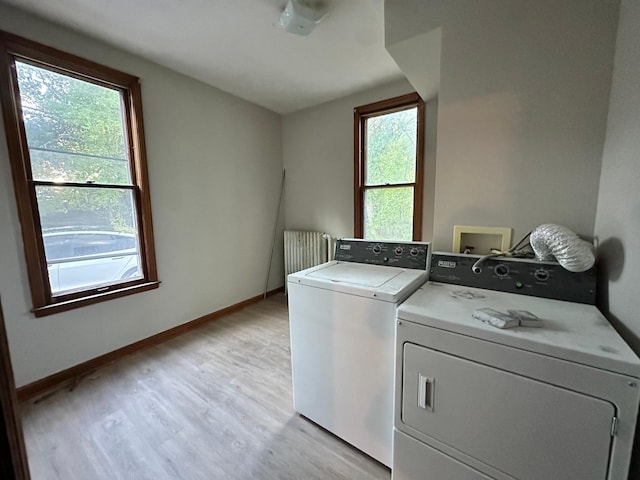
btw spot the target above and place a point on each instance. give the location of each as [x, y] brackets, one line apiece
[371, 276]
[389, 284]
[571, 331]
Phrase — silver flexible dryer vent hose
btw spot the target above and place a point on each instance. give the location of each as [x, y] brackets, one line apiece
[573, 253]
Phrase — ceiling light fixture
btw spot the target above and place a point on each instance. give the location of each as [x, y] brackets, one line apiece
[301, 17]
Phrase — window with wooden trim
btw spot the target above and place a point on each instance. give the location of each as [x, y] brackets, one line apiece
[76, 146]
[388, 169]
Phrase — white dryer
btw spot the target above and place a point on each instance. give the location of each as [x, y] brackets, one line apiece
[342, 317]
[477, 402]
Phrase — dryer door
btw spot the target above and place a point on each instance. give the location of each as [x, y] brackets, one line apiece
[522, 427]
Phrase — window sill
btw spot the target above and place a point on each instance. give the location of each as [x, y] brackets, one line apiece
[90, 300]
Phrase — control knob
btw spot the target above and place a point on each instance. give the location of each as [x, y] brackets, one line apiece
[501, 270]
[541, 274]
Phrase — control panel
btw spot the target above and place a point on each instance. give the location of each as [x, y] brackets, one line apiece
[514, 275]
[413, 255]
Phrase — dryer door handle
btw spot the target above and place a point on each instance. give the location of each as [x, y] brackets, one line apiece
[426, 388]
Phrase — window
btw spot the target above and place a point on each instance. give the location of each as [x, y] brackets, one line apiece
[76, 146]
[388, 166]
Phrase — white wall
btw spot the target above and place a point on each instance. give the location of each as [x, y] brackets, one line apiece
[318, 157]
[618, 217]
[523, 98]
[215, 164]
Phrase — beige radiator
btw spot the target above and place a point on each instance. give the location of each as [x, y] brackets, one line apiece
[305, 249]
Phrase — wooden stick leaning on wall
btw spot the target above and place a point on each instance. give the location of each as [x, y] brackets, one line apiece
[275, 232]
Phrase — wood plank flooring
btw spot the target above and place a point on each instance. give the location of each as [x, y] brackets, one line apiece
[214, 403]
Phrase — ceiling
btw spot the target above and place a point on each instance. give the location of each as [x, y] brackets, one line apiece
[234, 44]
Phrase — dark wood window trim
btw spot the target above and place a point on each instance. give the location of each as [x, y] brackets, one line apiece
[13, 454]
[361, 114]
[13, 47]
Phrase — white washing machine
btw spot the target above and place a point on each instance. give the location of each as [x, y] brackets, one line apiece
[477, 402]
[342, 323]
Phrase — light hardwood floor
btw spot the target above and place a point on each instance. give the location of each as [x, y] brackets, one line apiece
[214, 403]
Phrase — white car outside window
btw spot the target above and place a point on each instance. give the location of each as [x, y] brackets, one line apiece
[87, 259]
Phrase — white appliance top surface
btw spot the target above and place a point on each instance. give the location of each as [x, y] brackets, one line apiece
[357, 274]
[571, 331]
[391, 284]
